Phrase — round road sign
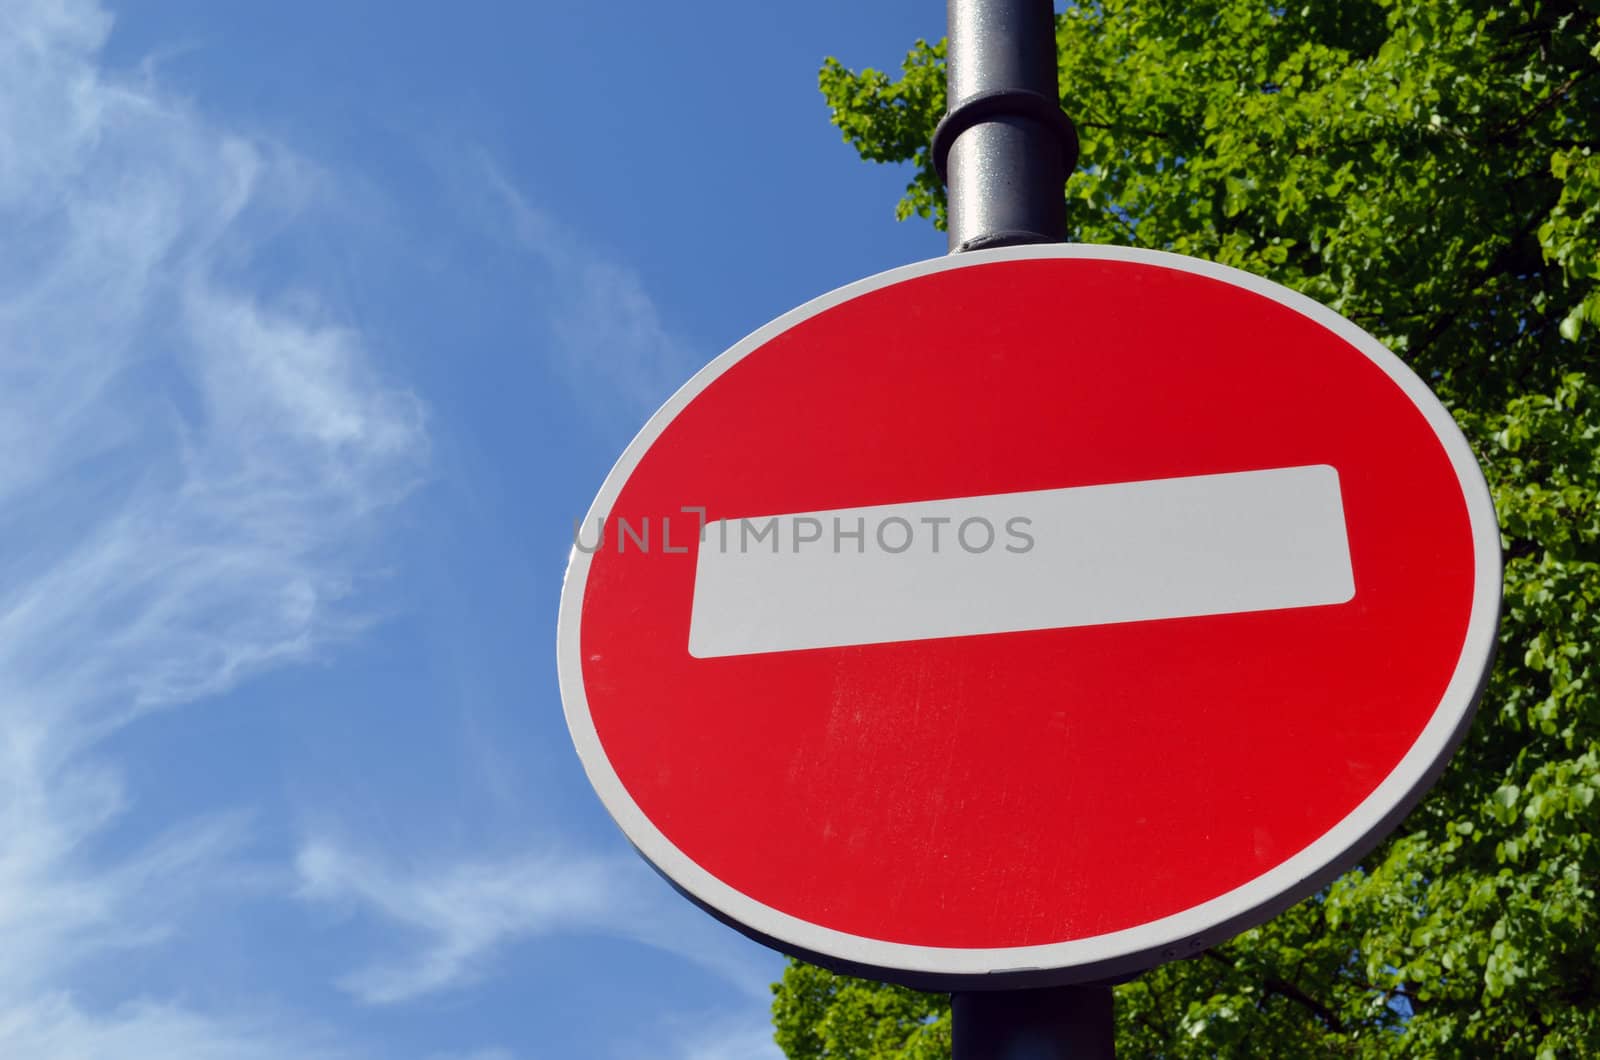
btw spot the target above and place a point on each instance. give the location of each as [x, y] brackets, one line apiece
[1029, 615]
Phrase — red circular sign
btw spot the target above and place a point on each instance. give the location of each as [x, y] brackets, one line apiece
[1234, 601]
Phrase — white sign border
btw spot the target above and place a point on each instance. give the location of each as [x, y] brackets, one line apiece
[1118, 952]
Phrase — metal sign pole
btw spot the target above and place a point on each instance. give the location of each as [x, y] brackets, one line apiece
[1057, 1023]
[1004, 150]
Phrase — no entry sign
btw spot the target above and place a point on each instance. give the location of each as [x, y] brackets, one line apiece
[1029, 615]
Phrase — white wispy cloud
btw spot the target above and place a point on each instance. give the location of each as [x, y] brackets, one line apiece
[54, 1026]
[719, 1039]
[605, 333]
[605, 336]
[188, 474]
[717, 1034]
[460, 914]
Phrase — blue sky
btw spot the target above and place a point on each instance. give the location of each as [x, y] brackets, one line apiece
[319, 325]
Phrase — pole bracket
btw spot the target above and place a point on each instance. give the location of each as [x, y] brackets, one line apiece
[1004, 103]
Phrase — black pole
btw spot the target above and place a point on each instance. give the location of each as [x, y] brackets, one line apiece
[1004, 149]
[1054, 1023]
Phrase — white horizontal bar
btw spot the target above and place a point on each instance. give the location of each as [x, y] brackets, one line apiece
[1049, 559]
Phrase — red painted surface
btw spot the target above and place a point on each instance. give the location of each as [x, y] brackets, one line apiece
[1028, 788]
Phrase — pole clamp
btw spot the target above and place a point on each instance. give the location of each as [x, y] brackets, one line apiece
[1005, 103]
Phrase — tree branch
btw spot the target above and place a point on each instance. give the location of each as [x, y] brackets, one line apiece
[1288, 990]
[1518, 124]
[1110, 127]
[1311, 1004]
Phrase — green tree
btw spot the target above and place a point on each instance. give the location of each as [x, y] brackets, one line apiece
[1430, 169]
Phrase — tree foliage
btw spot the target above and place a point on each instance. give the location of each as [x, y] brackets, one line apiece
[1430, 169]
